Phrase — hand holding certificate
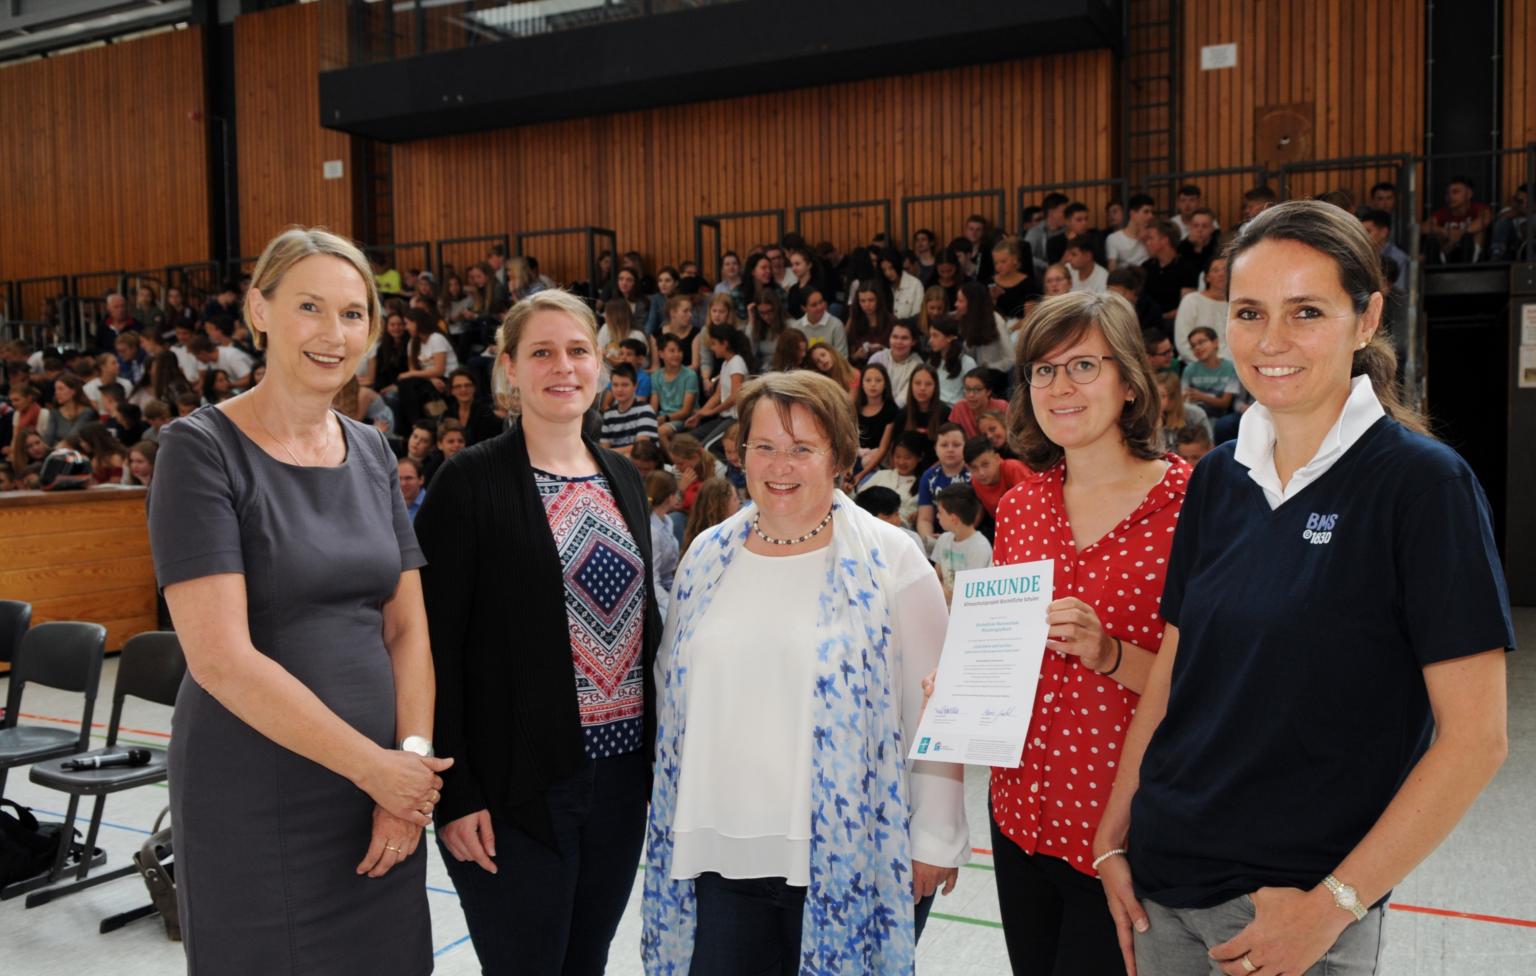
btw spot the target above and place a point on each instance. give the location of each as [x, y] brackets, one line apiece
[984, 692]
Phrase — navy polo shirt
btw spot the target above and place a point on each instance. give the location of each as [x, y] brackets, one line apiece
[1298, 704]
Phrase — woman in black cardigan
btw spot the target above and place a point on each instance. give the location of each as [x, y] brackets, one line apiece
[544, 631]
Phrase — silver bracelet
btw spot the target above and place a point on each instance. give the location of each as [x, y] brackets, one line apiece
[1106, 856]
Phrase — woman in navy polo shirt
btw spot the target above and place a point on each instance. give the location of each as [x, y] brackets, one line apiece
[1333, 597]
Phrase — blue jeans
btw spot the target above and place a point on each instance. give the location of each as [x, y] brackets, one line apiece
[1178, 941]
[555, 910]
[751, 926]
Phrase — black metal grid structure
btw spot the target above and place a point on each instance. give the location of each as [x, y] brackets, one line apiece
[884, 205]
[998, 197]
[713, 221]
[593, 235]
[489, 240]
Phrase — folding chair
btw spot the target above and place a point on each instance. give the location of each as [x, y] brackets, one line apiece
[63, 655]
[15, 618]
[150, 667]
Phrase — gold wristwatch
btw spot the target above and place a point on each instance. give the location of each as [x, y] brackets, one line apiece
[1345, 897]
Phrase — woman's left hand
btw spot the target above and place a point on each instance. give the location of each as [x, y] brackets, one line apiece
[1291, 930]
[926, 879]
[1076, 631]
[393, 841]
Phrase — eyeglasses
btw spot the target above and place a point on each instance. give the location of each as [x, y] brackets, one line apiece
[796, 454]
[1081, 370]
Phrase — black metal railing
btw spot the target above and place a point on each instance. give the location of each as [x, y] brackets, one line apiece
[999, 199]
[446, 259]
[854, 205]
[714, 222]
[591, 252]
[66, 308]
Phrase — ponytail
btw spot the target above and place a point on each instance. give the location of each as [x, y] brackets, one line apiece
[1378, 360]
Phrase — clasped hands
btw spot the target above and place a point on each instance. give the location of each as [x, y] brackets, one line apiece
[405, 788]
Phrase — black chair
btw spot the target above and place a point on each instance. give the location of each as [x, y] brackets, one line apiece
[15, 618]
[150, 667]
[63, 655]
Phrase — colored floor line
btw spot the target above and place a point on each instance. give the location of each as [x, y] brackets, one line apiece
[967, 921]
[1395, 906]
[1469, 916]
[85, 821]
[94, 725]
[451, 946]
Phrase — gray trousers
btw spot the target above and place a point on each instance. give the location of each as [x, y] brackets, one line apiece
[1178, 941]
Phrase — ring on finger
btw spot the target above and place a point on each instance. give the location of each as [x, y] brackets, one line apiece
[1248, 966]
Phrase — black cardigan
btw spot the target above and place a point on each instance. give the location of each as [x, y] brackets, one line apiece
[495, 597]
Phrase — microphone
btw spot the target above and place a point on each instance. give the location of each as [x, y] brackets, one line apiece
[133, 757]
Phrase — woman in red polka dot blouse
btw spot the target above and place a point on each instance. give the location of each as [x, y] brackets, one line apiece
[1101, 501]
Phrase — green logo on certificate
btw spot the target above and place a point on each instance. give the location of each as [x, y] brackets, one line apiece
[922, 747]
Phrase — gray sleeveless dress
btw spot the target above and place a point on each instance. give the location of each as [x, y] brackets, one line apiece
[267, 842]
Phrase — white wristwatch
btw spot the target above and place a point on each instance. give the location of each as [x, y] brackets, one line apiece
[417, 744]
[1345, 897]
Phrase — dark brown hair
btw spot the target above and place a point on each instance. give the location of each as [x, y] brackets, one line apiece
[1063, 321]
[1341, 237]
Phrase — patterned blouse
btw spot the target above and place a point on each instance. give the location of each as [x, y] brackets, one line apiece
[605, 608]
[1051, 803]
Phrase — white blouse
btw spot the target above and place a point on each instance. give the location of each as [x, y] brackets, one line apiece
[744, 786]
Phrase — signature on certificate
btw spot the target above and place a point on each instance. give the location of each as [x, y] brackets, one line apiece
[999, 712]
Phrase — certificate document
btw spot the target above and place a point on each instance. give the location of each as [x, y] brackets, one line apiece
[984, 694]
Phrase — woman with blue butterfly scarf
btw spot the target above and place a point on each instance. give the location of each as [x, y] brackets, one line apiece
[788, 832]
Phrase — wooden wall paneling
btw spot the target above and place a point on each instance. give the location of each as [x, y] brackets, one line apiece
[1519, 123]
[1368, 99]
[646, 174]
[281, 145]
[107, 164]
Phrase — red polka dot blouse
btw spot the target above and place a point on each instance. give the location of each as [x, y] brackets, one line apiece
[1051, 803]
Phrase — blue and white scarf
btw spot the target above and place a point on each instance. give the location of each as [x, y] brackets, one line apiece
[858, 908]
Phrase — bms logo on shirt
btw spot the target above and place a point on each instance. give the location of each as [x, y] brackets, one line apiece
[1319, 530]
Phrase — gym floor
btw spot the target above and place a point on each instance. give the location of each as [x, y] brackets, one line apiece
[1469, 910]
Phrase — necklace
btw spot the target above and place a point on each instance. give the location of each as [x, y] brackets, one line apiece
[791, 542]
[283, 444]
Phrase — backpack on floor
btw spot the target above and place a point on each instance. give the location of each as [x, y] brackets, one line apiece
[27, 848]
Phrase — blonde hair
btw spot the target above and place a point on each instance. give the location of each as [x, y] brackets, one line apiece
[730, 309]
[827, 402]
[842, 370]
[1011, 246]
[552, 300]
[294, 245]
[934, 293]
[519, 275]
[1063, 321]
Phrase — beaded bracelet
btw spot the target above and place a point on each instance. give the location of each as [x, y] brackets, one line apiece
[1119, 851]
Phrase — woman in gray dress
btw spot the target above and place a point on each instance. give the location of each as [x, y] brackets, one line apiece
[281, 540]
